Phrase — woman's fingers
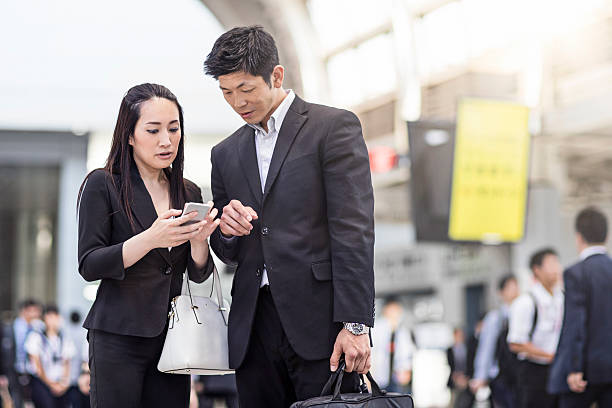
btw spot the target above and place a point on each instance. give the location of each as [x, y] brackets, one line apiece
[170, 213]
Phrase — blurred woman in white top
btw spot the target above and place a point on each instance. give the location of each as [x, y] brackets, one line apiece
[50, 354]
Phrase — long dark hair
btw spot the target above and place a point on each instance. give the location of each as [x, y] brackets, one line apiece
[120, 157]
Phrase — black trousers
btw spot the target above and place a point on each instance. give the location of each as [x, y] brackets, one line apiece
[124, 373]
[602, 394]
[272, 375]
[502, 394]
[532, 386]
[43, 398]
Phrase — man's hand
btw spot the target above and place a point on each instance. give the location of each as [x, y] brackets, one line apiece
[58, 389]
[576, 382]
[356, 350]
[460, 380]
[236, 219]
[3, 382]
[475, 385]
[84, 383]
[404, 377]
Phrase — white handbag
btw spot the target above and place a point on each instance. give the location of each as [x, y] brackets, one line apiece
[196, 342]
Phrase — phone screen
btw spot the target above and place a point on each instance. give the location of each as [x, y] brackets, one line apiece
[201, 209]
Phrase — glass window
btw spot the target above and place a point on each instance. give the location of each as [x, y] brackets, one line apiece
[441, 39]
[363, 72]
[339, 21]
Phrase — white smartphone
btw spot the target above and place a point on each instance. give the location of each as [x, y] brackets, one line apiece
[201, 209]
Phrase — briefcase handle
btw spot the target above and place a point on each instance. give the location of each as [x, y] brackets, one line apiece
[335, 381]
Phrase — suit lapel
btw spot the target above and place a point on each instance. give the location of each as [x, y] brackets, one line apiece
[293, 122]
[143, 208]
[248, 160]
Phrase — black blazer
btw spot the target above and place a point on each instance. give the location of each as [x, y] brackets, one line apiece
[132, 301]
[585, 344]
[315, 231]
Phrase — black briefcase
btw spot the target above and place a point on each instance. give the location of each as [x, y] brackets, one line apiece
[331, 397]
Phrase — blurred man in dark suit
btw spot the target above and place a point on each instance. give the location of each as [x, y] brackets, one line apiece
[582, 369]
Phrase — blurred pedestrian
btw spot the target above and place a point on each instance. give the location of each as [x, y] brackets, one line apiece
[133, 239]
[393, 348]
[493, 366]
[84, 382]
[582, 369]
[535, 326]
[217, 387]
[50, 353]
[458, 360]
[18, 366]
[77, 334]
[5, 397]
[466, 398]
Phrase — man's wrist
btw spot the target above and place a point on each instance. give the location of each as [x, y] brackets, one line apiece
[227, 238]
[356, 329]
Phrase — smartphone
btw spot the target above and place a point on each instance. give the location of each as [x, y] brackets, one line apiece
[201, 209]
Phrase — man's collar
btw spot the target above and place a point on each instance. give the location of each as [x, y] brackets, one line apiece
[277, 117]
[592, 250]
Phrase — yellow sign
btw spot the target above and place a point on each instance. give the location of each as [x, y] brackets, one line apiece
[490, 172]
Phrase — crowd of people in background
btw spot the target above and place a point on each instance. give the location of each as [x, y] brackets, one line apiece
[550, 346]
[547, 347]
[43, 361]
[44, 364]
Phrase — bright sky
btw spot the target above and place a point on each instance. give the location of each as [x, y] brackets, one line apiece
[67, 63]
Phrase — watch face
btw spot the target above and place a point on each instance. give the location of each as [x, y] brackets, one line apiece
[356, 328]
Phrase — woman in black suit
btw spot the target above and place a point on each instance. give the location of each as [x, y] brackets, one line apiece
[130, 240]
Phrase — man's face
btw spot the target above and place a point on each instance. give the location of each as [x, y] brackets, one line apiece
[459, 336]
[549, 273]
[393, 311]
[52, 321]
[250, 96]
[510, 291]
[31, 313]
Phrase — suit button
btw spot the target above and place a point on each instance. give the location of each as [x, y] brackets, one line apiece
[265, 231]
[168, 270]
[258, 273]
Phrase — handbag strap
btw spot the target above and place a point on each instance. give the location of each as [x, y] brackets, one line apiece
[216, 287]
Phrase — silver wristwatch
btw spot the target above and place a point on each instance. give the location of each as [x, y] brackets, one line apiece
[357, 328]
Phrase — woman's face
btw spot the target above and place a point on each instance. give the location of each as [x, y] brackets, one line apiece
[157, 134]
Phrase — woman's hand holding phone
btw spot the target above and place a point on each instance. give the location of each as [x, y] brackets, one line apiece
[206, 226]
[169, 230]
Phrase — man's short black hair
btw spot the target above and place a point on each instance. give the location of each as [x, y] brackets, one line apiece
[592, 225]
[538, 257]
[390, 300]
[503, 281]
[24, 304]
[243, 49]
[51, 309]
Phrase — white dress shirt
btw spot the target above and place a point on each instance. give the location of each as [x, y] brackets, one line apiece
[381, 356]
[592, 250]
[264, 146]
[548, 325]
[486, 366]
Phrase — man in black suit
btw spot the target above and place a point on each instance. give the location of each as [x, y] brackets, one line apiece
[294, 189]
[582, 369]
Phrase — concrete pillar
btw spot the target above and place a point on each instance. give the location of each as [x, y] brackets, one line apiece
[70, 284]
